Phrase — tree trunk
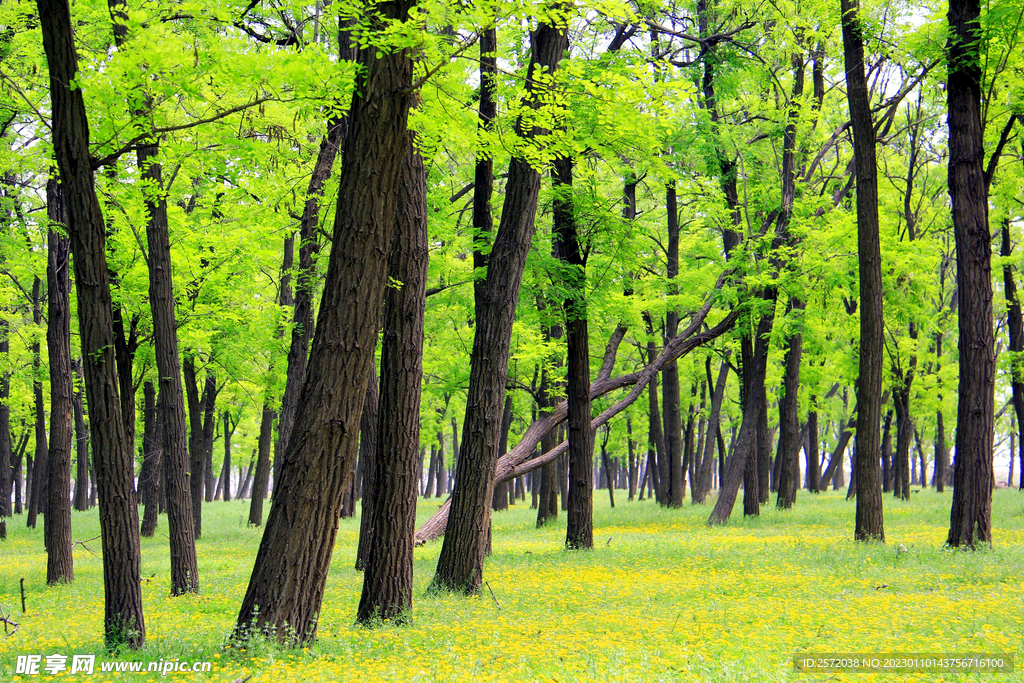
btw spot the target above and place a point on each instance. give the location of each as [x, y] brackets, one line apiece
[6, 454]
[119, 521]
[813, 467]
[209, 425]
[631, 460]
[672, 412]
[499, 500]
[368, 453]
[789, 422]
[580, 517]
[261, 478]
[57, 523]
[197, 457]
[225, 469]
[970, 521]
[1015, 331]
[887, 468]
[37, 490]
[702, 485]
[81, 443]
[153, 454]
[460, 564]
[387, 576]
[287, 585]
[869, 522]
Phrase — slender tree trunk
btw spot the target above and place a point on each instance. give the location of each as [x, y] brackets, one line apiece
[57, 523]
[152, 441]
[81, 443]
[229, 430]
[119, 522]
[6, 455]
[869, 522]
[702, 485]
[887, 465]
[195, 442]
[499, 500]
[37, 492]
[672, 412]
[813, 466]
[209, 425]
[631, 461]
[368, 453]
[387, 577]
[789, 423]
[261, 477]
[970, 521]
[1015, 331]
[287, 585]
[460, 564]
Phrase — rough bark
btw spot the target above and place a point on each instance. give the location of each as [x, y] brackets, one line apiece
[153, 464]
[119, 523]
[287, 584]
[37, 474]
[387, 576]
[705, 473]
[789, 425]
[368, 453]
[671, 406]
[869, 521]
[57, 522]
[970, 521]
[1015, 332]
[6, 455]
[460, 564]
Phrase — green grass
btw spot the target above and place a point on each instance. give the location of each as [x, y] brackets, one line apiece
[661, 597]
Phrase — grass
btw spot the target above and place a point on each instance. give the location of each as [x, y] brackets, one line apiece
[661, 597]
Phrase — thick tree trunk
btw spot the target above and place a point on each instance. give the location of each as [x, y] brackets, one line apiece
[261, 478]
[387, 576]
[789, 423]
[287, 585]
[869, 522]
[460, 564]
[57, 523]
[119, 521]
[970, 521]
[904, 432]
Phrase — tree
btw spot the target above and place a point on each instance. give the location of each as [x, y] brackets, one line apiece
[970, 520]
[287, 583]
[460, 564]
[119, 519]
[869, 523]
[387, 575]
[57, 522]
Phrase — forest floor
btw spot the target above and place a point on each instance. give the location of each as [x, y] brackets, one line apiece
[661, 597]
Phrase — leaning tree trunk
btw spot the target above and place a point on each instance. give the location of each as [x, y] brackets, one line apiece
[119, 519]
[287, 585]
[387, 576]
[57, 522]
[970, 521]
[869, 523]
[460, 564]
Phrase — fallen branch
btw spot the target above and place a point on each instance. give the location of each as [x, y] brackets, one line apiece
[520, 460]
[8, 622]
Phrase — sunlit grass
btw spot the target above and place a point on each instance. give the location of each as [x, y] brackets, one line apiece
[661, 597]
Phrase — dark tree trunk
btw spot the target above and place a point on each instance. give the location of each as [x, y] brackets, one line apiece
[869, 522]
[655, 437]
[57, 523]
[441, 487]
[941, 453]
[835, 462]
[209, 425]
[81, 443]
[672, 412]
[499, 500]
[547, 507]
[702, 484]
[229, 430]
[580, 517]
[37, 493]
[197, 457]
[887, 469]
[184, 512]
[261, 478]
[631, 462]
[1015, 331]
[387, 576]
[153, 456]
[789, 422]
[287, 585]
[904, 432]
[609, 475]
[460, 564]
[119, 520]
[368, 453]
[309, 248]
[428, 491]
[970, 521]
[813, 467]
[6, 455]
